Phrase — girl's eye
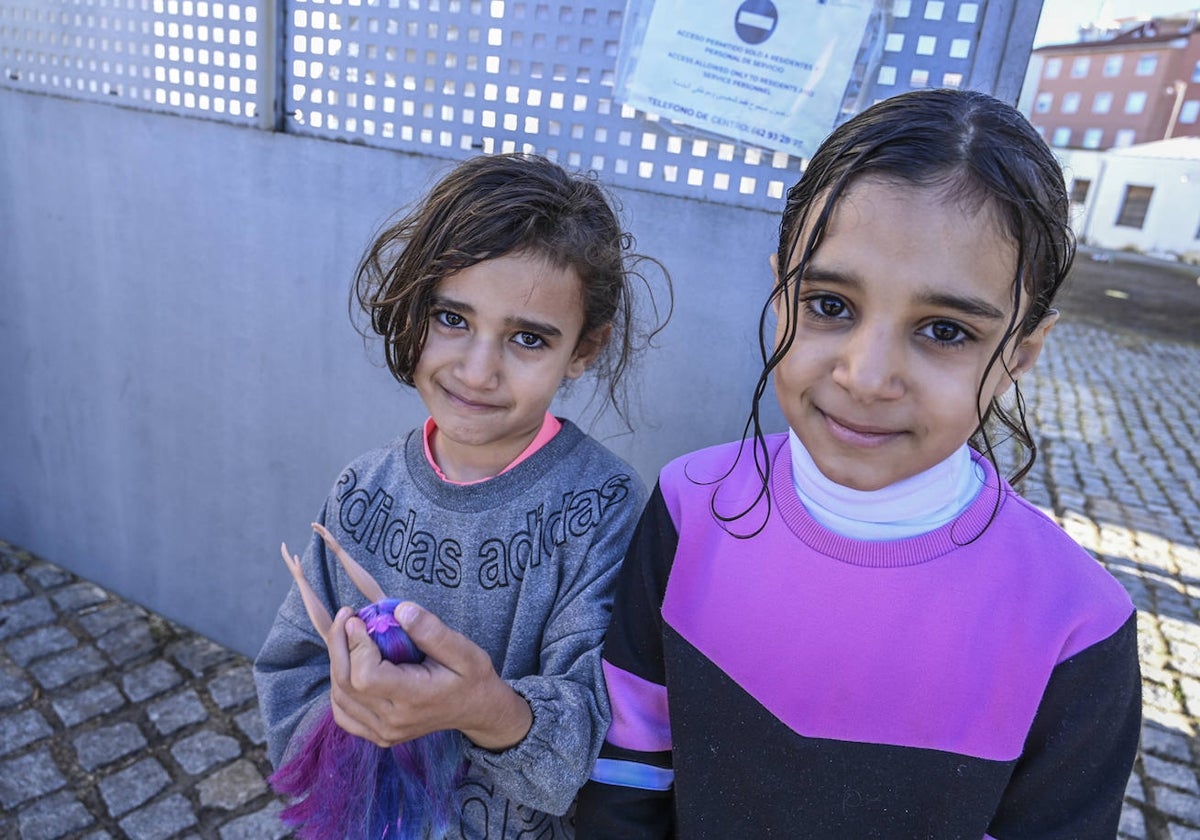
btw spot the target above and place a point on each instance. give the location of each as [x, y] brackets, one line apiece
[450, 319]
[946, 332]
[530, 340]
[827, 306]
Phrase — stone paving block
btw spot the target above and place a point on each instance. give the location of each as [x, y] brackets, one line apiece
[79, 596]
[261, 825]
[233, 687]
[1133, 822]
[232, 787]
[13, 689]
[175, 712]
[1175, 721]
[133, 787]
[104, 618]
[105, 745]
[53, 817]
[21, 729]
[199, 752]
[40, 643]
[1134, 791]
[99, 699]
[1157, 695]
[127, 642]
[160, 820]
[252, 726]
[1171, 773]
[12, 588]
[151, 680]
[1177, 805]
[64, 668]
[20, 616]
[1166, 742]
[1182, 832]
[28, 777]
[47, 575]
[197, 654]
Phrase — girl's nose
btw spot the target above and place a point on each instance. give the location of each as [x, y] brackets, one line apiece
[480, 365]
[870, 366]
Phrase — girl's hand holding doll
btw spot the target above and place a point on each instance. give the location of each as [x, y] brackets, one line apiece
[455, 687]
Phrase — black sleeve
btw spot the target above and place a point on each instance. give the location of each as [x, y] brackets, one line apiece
[642, 804]
[1071, 777]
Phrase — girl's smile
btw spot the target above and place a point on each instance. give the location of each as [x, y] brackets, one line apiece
[900, 308]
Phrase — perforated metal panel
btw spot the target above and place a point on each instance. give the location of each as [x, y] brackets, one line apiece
[187, 56]
[455, 77]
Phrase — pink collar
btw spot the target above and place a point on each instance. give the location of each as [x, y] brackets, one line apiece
[550, 427]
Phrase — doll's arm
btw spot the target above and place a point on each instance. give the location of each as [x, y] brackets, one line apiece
[291, 671]
[1071, 778]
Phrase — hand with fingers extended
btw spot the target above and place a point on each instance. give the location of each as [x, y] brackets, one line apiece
[453, 687]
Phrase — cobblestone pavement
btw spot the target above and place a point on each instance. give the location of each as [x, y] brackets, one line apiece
[117, 723]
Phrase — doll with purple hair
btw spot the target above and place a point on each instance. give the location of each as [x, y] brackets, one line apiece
[344, 786]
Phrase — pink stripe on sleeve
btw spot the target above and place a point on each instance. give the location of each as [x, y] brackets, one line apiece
[640, 719]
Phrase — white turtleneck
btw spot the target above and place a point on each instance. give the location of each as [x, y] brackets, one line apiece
[915, 505]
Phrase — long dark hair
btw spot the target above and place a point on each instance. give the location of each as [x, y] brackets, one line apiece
[979, 151]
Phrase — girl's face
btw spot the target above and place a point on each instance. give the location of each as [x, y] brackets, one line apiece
[901, 306]
[503, 335]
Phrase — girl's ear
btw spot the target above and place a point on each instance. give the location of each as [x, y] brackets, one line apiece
[1030, 347]
[587, 350]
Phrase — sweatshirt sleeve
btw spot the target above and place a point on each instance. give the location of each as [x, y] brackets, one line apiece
[291, 671]
[570, 709]
[1070, 780]
[630, 792]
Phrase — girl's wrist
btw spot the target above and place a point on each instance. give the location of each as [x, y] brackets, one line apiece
[508, 719]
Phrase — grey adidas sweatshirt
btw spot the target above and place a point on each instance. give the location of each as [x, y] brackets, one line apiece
[523, 564]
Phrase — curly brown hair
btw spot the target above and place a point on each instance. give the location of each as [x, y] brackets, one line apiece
[495, 205]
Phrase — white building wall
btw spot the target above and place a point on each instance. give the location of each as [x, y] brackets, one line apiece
[1173, 218]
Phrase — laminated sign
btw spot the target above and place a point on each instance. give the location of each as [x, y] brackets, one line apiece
[771, 74]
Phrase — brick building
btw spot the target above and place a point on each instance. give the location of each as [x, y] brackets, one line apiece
[1137, 85]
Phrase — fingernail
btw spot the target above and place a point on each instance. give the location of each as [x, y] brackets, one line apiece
[406, 613]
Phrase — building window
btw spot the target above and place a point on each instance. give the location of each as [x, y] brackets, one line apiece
[1053, 68]
[1079, 67]
[1070, 103]
[1079, 190]
[1043, 102]
[1102, 103]
[1112, 65]
[1190, 111]
[1134, 206]
[1062, 136]
[1196, 72]
[1092, 137]
[1125, 137]
[1146, 65]
[1135, 102]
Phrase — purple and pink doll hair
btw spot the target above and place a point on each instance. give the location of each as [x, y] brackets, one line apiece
[343, 787]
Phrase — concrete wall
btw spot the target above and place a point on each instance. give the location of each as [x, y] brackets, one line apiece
[179, 379]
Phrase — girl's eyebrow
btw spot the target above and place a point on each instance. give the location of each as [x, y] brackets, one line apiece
[970, 305]
[542, 328]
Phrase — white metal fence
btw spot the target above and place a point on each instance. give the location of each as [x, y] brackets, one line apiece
[452, 78]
